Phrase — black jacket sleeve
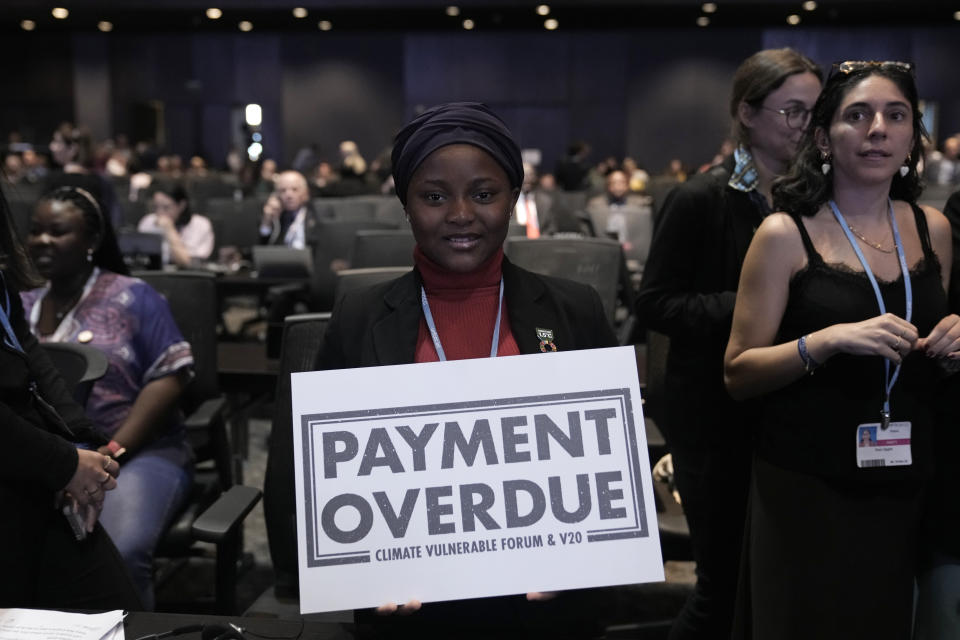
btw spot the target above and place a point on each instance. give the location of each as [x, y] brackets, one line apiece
[31, 452]
[670, 300]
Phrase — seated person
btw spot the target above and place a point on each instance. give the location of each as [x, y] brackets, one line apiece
[188, 236]
[539, 211]
[90, 300]
[458, 173]
[614, 210]
[292, 226]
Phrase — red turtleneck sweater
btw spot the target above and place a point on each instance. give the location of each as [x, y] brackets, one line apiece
[464, 309]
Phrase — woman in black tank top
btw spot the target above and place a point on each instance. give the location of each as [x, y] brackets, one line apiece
[841, 326]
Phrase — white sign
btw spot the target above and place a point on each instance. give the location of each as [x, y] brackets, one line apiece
[472, 478]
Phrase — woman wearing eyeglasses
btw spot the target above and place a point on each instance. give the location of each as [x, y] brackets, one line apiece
[841, 323]
[688, 291]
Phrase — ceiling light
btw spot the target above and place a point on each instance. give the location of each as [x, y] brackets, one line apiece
[550, 24]
[709, 7]
[703, 21]
[468, 24]
[28, 25]
[453, 11]
[325, 25]
[543, 10]
[299, 12]
[809, 5]
[245, 25]
[956, 15]
[60, 13]
[793, 19]
[213, 13]
[105, 26]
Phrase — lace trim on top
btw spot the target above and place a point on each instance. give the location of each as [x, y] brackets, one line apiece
[920, 268]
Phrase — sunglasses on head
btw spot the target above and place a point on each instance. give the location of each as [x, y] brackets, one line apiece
[853, 66]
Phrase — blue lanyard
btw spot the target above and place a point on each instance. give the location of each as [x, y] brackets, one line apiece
[11, 338]
[890, 380]
[436, 336]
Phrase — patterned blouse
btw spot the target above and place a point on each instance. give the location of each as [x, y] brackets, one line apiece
[131, 323]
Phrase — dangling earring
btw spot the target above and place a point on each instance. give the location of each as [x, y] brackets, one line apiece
[825, 167]
[905, 169]
[89, 255]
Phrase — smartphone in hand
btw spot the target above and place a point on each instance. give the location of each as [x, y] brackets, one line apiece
[75, 520]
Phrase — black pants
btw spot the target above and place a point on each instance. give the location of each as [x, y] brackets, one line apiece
[713, 485]
[42, 565]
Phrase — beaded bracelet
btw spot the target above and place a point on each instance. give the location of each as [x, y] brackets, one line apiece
[808, 362]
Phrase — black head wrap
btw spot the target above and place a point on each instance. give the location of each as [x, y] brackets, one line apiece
[454, 123]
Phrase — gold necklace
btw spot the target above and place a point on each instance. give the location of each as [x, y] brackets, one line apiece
[873, 245]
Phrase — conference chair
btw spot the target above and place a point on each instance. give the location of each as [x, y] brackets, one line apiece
[201, 190]
[331, 253]
[302, 336]
[236, 223]
[21, 198]
[390, 210]
[131, 211]
[638, 232]
[347, 208]
[382, 248]
[598, 262]
[352, 279]
[79, 365]
[216, 507]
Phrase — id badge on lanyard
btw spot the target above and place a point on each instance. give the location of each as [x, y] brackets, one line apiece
[894, 436]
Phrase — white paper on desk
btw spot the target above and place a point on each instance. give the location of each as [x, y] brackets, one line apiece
[558, 478]
[29, 624]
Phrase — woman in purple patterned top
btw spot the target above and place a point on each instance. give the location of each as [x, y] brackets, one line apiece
[89, 299]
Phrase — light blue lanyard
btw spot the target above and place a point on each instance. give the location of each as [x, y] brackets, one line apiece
[11, 338]
[436, 336]
[890, 380]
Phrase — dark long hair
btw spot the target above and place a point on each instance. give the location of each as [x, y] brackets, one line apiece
[17, 268]
[805, 188]
[107, 255]
[178, 193]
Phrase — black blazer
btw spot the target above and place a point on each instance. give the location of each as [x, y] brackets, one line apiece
[688, 292]
[37, 451]
[379, 325]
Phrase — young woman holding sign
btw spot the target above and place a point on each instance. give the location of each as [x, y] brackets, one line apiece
[841, 323]
[458, 173]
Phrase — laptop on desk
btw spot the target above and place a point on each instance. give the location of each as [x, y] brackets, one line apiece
[141, 250]
[282, 262]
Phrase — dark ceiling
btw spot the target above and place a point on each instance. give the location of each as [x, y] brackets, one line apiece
[431, 15]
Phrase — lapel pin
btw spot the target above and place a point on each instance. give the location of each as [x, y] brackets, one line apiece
[86, 336]
[546, 339]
